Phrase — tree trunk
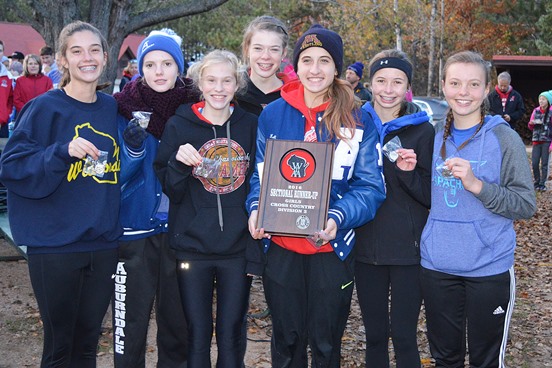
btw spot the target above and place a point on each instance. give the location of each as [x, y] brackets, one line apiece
[397, 25]
[431, 56]
[116, 19]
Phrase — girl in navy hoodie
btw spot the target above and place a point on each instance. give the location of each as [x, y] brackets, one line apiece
[61, 168]
[481, 183]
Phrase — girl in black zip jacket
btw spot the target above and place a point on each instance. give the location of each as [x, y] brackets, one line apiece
[204, 166]
[388, 247]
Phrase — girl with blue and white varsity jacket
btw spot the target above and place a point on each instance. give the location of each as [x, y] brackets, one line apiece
[481, 183]
[308, 289]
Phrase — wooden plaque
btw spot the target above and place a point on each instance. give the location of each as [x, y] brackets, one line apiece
[295, 187]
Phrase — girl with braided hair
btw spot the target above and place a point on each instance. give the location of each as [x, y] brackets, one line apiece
[481, 183]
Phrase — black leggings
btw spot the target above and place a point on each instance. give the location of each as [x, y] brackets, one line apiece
[480, 306]
[309, 297]
[73, 291]
[197, 280]
[374, 285]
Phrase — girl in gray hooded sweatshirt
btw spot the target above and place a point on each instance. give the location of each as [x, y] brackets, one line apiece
[481, 183]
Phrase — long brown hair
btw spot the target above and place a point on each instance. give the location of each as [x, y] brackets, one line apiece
[68, 31]
[465, 57]
[339, 113]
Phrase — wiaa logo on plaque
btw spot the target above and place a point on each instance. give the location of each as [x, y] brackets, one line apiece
[297, 166]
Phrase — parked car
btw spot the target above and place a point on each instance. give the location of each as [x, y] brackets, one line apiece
[436, 108]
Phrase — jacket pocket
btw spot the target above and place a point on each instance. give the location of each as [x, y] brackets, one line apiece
[205, 228]
[456, 246]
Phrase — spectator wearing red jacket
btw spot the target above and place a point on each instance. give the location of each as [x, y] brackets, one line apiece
[32, 83]
[6, 95]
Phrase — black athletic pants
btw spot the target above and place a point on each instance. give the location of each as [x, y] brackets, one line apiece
[73, 292]
[374, 284]
[198, 280]
[146, 273]
[309, 297]
[482, 305]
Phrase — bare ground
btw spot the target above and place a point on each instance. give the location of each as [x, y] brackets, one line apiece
[530, 337]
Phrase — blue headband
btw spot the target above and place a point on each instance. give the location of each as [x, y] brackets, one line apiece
[392, 62]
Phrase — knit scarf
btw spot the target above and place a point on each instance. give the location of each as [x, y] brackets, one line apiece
[137, 96]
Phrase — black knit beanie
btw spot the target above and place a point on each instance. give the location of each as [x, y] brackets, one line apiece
[318, 36]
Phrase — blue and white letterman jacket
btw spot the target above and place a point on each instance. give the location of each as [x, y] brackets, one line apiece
[357, 182]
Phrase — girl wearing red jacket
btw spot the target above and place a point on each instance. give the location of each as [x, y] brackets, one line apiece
[32, 83]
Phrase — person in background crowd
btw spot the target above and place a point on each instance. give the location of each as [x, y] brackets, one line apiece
[147, 265]
[481, 183]
[308, 286]
[47, 58]
[6, 96]
[61, 169]
[128, 72]
[5, 61]
[32, 83]
[387, 253]
[505, 101]
[16, 63]
[353, 75]
[207, 219]
[541, 125]
[49, 65]
[264, 46]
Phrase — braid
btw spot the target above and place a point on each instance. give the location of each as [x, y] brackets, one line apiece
[446, 134]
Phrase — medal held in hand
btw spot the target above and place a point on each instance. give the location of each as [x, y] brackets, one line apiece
[295, 187]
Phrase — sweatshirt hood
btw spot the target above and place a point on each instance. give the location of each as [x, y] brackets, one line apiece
[411, 118]
[293, 93]
[491, 122]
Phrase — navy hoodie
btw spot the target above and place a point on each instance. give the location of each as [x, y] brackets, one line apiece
[53, 205]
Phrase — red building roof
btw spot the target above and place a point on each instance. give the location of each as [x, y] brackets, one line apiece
[24, 38]
[521, 60]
